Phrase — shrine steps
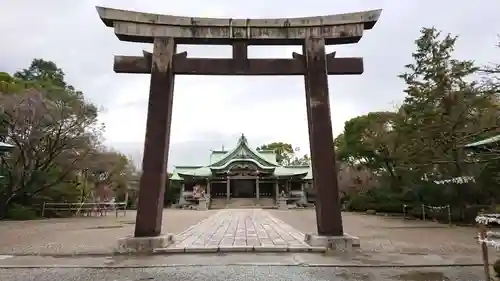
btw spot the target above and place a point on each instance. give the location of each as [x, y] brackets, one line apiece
[266, 202]
[242, 203]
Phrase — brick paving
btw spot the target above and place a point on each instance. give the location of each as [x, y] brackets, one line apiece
[241, 231]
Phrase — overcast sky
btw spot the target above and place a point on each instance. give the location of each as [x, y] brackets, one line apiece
[213, 111]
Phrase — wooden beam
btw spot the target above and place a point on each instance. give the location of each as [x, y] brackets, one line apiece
[240, 50]
[208, 66]
[144, 27]
[328, 216]
[156, 146]
[109, 16]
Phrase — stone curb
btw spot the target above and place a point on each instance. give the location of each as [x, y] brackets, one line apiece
[242, 264]
[240, 249]
[69, 255]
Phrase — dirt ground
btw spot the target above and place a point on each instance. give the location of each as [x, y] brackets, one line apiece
[383, 239]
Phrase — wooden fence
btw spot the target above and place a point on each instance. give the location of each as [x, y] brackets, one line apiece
[487, 238]
[85, 209]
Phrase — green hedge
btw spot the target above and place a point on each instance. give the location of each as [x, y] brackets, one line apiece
[388, 204]
[20, 212]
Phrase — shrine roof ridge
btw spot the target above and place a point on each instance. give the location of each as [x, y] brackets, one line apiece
[142, 27]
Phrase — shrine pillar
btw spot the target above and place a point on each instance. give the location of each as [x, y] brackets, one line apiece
[321, 138]
[208, 188]
[147, 234]
[228, 188]
[276, 190]
[257, 188]
[182, 200]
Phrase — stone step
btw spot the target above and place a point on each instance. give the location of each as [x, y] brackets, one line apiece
[245, 203]
[240, 202]
[266, 202]
[218, 203]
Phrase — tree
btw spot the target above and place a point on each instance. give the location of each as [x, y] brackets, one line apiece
[492, 75]
[355, 179]
[447, 105]
[305, 160]
[284, 151]
[371, 141]
[43, 73]
[108, 172]
[53, 129]
[445, 108]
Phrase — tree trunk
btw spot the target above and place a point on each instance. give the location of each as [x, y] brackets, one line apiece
[395, 183]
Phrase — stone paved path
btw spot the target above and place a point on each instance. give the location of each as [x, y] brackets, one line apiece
[241, 230]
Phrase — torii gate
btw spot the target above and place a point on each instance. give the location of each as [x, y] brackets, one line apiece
[166, 32]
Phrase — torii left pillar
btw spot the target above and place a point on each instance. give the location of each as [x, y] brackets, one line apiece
[147, 235]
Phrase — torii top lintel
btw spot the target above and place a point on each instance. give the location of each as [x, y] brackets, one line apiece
[143, 27]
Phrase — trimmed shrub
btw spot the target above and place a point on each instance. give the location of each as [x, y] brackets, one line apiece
[20, 212]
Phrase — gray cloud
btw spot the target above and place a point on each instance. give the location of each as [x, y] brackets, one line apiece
[71, 34]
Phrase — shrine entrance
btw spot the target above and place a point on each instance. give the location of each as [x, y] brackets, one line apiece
[243, 188]
[314, 64]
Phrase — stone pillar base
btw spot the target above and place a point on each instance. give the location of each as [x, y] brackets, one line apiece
[335, 243]
[182, 200]
[143, 245]
[203, 204]
[282, 205]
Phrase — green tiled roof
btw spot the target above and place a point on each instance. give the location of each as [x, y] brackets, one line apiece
[220, 160]
[484, 142]
[217, 156]
[182, 169]
[228, 163]
[294, 170]
[5, 147]
[200, 172]
[243, 151]
[269, 155]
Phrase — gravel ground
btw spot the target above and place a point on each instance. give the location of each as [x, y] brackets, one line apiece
[394, 237]
[257, 273]
[384, 240]
[83, 234]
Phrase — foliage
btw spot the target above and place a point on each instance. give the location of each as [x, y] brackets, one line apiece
[284, 151]
[285, 154]
[354, 179]
[496, 267]
[416, 151]
[172, 192]
[304, 160]
[21, 212]
[57, 141]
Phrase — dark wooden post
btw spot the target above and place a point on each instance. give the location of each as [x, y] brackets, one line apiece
[329, 219]
[157, 142]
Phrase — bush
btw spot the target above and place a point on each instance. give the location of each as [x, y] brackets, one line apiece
[20, 212]
[414, 211]
[384, 200]
[496, 267]
[172, 194]
[379, 199]
[363, 203]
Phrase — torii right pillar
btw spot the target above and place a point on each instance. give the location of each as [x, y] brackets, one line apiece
[328, 210]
